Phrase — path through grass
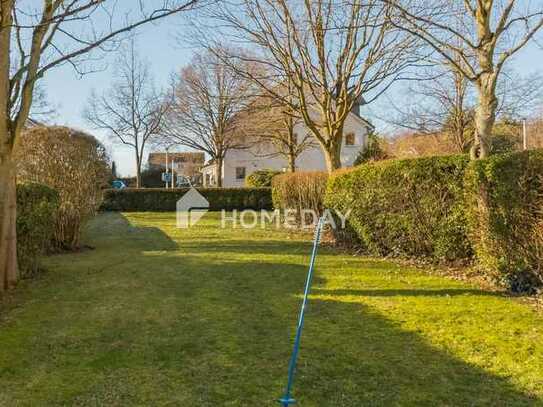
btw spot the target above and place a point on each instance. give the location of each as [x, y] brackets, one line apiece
[205, 317]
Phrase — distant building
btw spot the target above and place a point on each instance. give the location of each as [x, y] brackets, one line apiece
[188, 164]
[240, 163]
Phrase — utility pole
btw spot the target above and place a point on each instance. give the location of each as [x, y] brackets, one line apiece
[524, 135]
[173, 175]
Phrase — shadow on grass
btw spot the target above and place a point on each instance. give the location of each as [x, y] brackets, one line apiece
[144, 237]
[195, 330]
[351, 355]
[235, 339]
[354, 356]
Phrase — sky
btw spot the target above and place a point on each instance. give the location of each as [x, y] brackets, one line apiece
[158, 43]
[70, 93]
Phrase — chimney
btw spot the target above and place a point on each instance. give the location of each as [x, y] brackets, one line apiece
[357, 105]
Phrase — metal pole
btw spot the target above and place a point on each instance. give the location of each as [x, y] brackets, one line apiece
[286, 400]
[524, 135]
[173, 174]
[166, 168]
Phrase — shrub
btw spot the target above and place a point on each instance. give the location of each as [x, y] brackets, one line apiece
[299, 190]
[505, 198]
[73, 163]
[261, 178]
[132, 199]
[410, 207]
[36, 211]
[372, 151]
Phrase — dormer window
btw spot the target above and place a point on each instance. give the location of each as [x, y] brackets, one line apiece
[349, 139]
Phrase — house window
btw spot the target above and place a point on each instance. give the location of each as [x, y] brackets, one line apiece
[240, 172]
[349, 139]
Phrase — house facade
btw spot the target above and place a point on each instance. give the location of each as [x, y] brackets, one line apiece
[240, 163]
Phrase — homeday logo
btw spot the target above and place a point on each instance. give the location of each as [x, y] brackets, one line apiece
[192, 206]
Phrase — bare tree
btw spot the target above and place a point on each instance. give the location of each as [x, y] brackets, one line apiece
[33, 40]
[132, 112]
[441, 104]
[281, 135]
[271, 127]
[444, 103]
[334, 53]
[477, 37]
[207, 96]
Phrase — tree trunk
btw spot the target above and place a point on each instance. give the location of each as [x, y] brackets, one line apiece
[485, 115]
[332, 155]
[138, 172]
[291, 162]
[218, 172]
[8, 217]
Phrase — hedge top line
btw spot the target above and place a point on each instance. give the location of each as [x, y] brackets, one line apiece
[185, 189]
[157, 199]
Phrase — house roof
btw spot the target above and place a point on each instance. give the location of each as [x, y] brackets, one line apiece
[261, 105]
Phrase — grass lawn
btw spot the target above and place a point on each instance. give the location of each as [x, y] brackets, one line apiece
[205, 317]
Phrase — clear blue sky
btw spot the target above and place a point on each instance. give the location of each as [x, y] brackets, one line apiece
[158, 44]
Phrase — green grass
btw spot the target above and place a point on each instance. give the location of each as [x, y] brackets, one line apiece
[205, 317]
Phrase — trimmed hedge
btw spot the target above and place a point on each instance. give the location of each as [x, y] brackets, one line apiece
[412, 207]
[37, 206]
[141, 200]
[447, 209]
[299, 190]
[261, 178]
[505, 195]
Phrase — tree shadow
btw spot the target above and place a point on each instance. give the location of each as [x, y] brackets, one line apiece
[351, 355]
[190, 329]
[117, 225]
[235, 337]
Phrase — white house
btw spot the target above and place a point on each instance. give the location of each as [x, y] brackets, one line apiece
[239, 163]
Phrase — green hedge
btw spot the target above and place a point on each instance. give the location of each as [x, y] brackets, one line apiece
[141, 200]
[261, 178]
[409, 207]
[447, 209]
[505, 195]
[37, 206]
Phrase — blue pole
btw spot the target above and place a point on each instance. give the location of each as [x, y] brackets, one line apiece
[286, 400]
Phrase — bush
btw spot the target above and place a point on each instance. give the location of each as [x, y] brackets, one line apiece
[299, 190]
[372, 151]
[411, 207]
[261, 178]
[74, 164]
[132, 199]
[36, 211]
[505, 197]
